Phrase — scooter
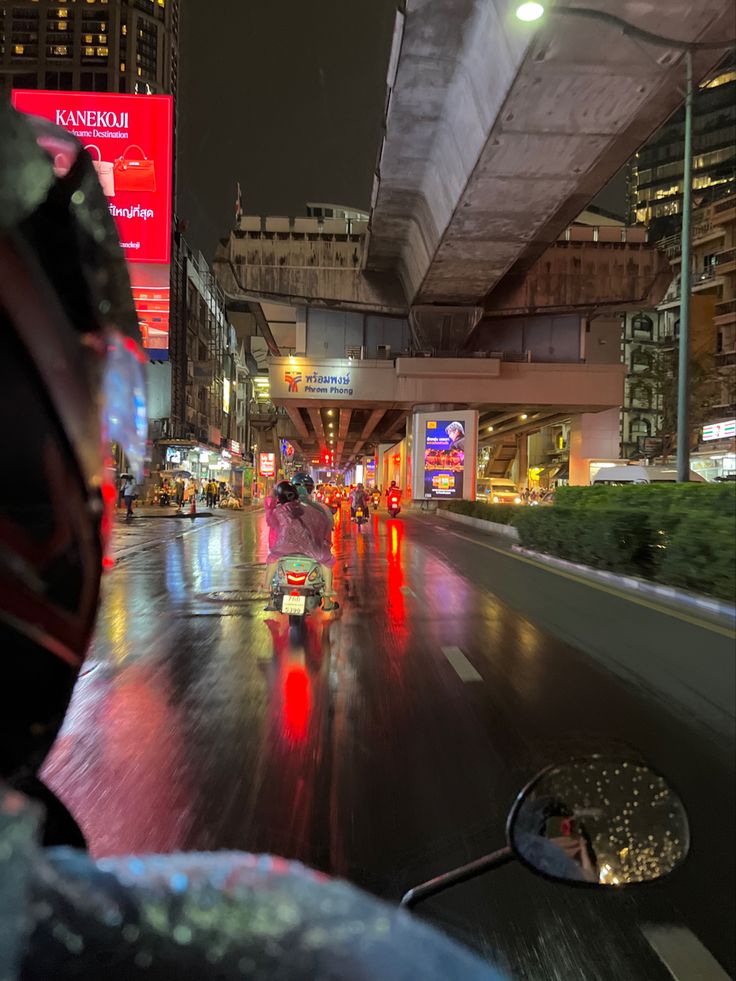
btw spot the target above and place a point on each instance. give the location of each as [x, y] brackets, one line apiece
[360, 517]
[598, 821]
[394, 503]
[375, 500]
[297, 590]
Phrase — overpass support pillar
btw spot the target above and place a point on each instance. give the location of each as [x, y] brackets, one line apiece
[593, 436]
[521, 461]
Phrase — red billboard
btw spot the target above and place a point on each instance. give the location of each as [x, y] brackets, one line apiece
[267, 466]
[130, 139]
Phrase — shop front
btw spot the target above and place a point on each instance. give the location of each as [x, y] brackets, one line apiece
[715, 457]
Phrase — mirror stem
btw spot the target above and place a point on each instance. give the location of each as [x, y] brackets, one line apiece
[441, 882]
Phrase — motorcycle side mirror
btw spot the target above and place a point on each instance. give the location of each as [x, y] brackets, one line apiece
[599, 821]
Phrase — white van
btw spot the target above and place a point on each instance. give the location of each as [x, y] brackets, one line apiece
[497, 490]
[637, 474]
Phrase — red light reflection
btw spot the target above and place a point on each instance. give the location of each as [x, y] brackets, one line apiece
[297, 703]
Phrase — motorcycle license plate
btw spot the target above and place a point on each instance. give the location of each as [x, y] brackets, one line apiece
[359, 513]
[294, 605]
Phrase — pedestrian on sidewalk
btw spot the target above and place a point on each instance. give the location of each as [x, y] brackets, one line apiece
[129, 496]
[179, 492]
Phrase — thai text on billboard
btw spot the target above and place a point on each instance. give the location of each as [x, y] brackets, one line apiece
[129, 138]
[444, 458]
[267, 465]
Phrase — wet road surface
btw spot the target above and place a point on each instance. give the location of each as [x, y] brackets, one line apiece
[389, 746]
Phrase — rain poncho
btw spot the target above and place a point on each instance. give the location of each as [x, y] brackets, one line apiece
[226, 915]
[296, 529]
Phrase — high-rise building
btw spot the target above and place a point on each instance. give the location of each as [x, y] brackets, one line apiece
[655, 186]
[89, 45]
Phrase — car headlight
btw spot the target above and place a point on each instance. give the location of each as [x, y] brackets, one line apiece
[517, 500]
[495, 499]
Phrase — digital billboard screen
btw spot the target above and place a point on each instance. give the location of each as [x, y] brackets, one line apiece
[129, 137]
[444, 458]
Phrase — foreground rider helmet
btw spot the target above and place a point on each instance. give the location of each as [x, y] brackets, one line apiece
[284, 492]
[70, 333]
[304, 480]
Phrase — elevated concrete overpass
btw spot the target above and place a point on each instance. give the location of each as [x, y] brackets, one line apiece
[497, 136]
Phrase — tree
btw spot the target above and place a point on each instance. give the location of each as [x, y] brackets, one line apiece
[662, 377]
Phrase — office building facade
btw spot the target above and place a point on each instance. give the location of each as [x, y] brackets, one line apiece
[655, 179]
[126, 46]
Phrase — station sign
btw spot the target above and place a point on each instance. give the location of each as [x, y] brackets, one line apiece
[719, 430]
[331, 380]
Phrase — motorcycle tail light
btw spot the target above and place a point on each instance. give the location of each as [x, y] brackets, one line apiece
[296, 578]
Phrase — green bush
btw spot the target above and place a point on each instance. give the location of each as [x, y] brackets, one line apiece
[607, 538]
[501, 514]
[700, 555]
[679, 534]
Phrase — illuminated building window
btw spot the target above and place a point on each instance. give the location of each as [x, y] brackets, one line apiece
[19, 49]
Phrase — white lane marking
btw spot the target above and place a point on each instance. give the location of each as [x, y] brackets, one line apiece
[683, 954]
[463, 667]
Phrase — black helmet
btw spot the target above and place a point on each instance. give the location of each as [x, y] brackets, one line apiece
[304, 480]
[72, 367]
[285, 491]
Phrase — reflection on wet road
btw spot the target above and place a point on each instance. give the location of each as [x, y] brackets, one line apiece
[370, 750]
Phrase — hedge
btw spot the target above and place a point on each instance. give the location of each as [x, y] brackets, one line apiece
[501, 514]
[677, 534]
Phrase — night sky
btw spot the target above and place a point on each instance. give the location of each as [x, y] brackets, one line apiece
[285, 97]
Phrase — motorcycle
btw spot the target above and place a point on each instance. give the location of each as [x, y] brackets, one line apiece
[394, 503]
[598, 821]
[297, 590]
[360, 516]
[375, 500]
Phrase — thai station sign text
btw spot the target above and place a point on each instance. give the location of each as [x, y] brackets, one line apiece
[339, 379]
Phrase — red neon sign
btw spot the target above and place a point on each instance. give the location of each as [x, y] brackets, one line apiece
[130, 139]
[267, 464]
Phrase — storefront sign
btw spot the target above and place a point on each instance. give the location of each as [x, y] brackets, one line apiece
[719, 430]
[173, 456]
[267, 464]
[234, 447]
[444, 458]
[226, 395]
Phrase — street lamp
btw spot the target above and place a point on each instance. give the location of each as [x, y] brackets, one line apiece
[534, 11]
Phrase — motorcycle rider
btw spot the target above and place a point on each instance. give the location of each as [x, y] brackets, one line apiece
[72, 363]
[358, 499]
[304, 485]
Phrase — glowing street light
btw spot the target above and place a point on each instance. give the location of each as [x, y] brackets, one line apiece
[530, 11]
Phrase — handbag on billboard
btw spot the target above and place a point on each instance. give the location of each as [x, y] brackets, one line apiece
[135, 174]
[104, 171]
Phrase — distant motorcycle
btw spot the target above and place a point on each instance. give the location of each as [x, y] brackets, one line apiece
[394, 502]
[361, 516]
[375, 500]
